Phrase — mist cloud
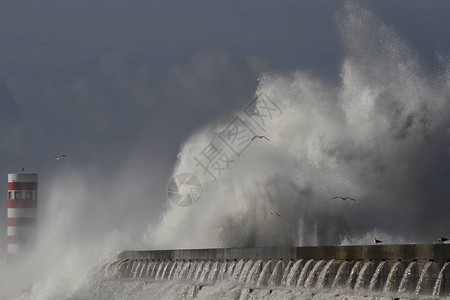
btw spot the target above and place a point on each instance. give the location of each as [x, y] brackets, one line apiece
[379, 136]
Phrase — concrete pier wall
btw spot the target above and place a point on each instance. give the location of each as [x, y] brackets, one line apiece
[404, 269]
[435, 252]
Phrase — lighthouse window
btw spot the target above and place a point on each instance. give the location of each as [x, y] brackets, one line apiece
[17, 195]
[28, 195]
[9, 195]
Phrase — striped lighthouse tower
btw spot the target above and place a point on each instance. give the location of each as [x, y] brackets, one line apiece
[22, 207]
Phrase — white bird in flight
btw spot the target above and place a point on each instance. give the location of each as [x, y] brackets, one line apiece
[259, 137]
[59, 157]
[271, 213]
[343, 198]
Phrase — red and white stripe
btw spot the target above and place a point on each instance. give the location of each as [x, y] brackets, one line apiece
[22, 210]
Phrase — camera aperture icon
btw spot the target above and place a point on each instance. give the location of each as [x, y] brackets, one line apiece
[184, 189]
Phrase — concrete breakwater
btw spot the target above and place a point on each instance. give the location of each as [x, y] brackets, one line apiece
[420, 269]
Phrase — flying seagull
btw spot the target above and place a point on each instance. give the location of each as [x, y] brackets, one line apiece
[59, 157]
[442, 239]
[271, 213]
[259, 137]
[343, 198]
[376, 241]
